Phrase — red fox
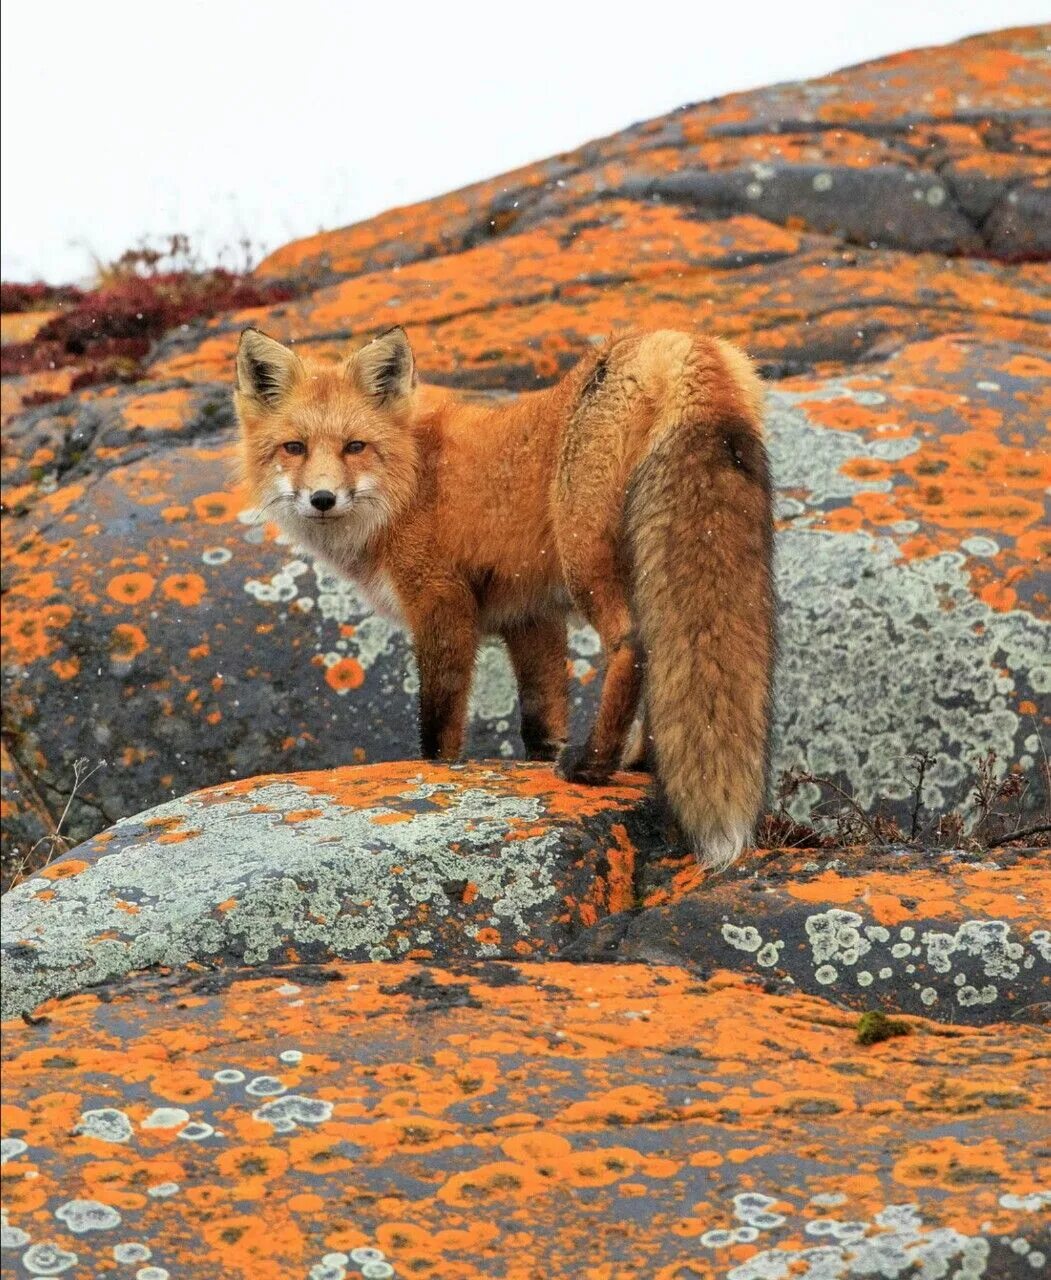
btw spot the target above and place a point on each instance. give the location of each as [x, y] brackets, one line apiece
[636, 491]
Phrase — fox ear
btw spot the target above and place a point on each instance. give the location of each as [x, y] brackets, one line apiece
[384, 369]
[265, 369]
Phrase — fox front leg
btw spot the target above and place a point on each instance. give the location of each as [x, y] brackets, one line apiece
[446, 639]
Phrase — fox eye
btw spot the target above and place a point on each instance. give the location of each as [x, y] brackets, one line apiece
[354, 446]
[294, 448]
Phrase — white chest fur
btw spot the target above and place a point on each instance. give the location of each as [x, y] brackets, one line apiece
[340, 544]
[379, 591]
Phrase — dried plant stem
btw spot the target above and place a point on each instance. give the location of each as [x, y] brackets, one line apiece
[55, 840]
[847, 798]
[1022, 833]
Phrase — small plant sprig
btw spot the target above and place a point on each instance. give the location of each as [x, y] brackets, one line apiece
[994, 817]
[55, 842]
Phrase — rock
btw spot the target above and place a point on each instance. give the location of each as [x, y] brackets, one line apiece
[952, 117]
[795, 300]
[425, 861]
[514, 1121]
[959, 938]
[452, 864]
[873, 238]
[909, 482]
[152, 624]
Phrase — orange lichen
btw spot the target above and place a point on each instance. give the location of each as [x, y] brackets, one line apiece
[64, 869]
[158, 410]
[216, 508]
[127, 641]
[947, 1163]
[253, 1163]
[345, 674]
[131, 588]
[35, 586]
[27, 633]
[185, 588]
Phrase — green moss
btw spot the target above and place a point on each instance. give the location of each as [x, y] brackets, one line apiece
[875, 1026]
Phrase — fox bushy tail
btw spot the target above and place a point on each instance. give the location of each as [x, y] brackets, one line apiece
[700, 531]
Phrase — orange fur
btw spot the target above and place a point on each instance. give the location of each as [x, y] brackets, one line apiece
[635, 490]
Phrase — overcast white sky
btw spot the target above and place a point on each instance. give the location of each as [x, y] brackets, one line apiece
[232, 118]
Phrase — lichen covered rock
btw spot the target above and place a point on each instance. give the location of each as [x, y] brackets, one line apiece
[424, 861]
[875, 238]
[957, 937]
[450, 864]
[515, 1121]
[153, 623]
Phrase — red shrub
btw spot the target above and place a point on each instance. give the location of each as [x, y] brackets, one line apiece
[35, 297]
[111, 329]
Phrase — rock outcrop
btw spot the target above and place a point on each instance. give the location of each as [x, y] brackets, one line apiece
[449, 864]
[877, 239]
[320, 1009]
[515, 1121]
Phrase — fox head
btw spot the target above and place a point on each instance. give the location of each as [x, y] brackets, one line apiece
[328, 450]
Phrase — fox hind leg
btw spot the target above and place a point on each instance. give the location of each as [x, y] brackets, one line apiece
[638, 750]
[538, 651]
[600, 754]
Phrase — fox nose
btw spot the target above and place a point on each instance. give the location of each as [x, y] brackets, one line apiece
[323, 499]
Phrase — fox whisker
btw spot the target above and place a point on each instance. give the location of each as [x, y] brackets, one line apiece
[280, 497]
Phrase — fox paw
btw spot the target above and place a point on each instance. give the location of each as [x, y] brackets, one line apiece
[577, 764]
[549, 750]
